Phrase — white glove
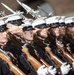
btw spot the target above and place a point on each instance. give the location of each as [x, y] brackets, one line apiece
[51, 70]
[65, 68]
[73, 65]
[42, 70]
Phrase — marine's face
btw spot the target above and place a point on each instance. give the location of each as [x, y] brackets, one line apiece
[28, 35]
[43, 32]
[14, 29]
[55, 31]
[3, 38]
[62, 30]
[72, 34]
[70, 31]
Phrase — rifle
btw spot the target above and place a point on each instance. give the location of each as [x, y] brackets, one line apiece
[32, 12]
[53, 57]
[12, 67]
[42, 60]
[65, 53]
[35, 53]
[29, 10]
[36, 64]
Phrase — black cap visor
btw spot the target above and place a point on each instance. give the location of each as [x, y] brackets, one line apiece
[70, 24]
[62, 24]
[54, 25]
[16, 22]
[48, 25]
[27, 28]
[41, 26]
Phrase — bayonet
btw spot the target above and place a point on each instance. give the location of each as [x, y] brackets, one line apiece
[29, 10]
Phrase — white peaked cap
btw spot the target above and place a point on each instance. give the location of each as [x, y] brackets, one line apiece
[27, 23]
[38, 22]
[61, 20]
[69, 20]
[2, 22]
[13, 17]
[53, 19]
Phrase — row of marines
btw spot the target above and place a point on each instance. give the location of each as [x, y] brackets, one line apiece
[40, 46]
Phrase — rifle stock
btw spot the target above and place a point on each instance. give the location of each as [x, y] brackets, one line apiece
[44, 62]
[12, 67]
[66, 54]
[36, 64]
[53, 57]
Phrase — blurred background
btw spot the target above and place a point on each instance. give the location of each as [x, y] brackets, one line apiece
[56, 7]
